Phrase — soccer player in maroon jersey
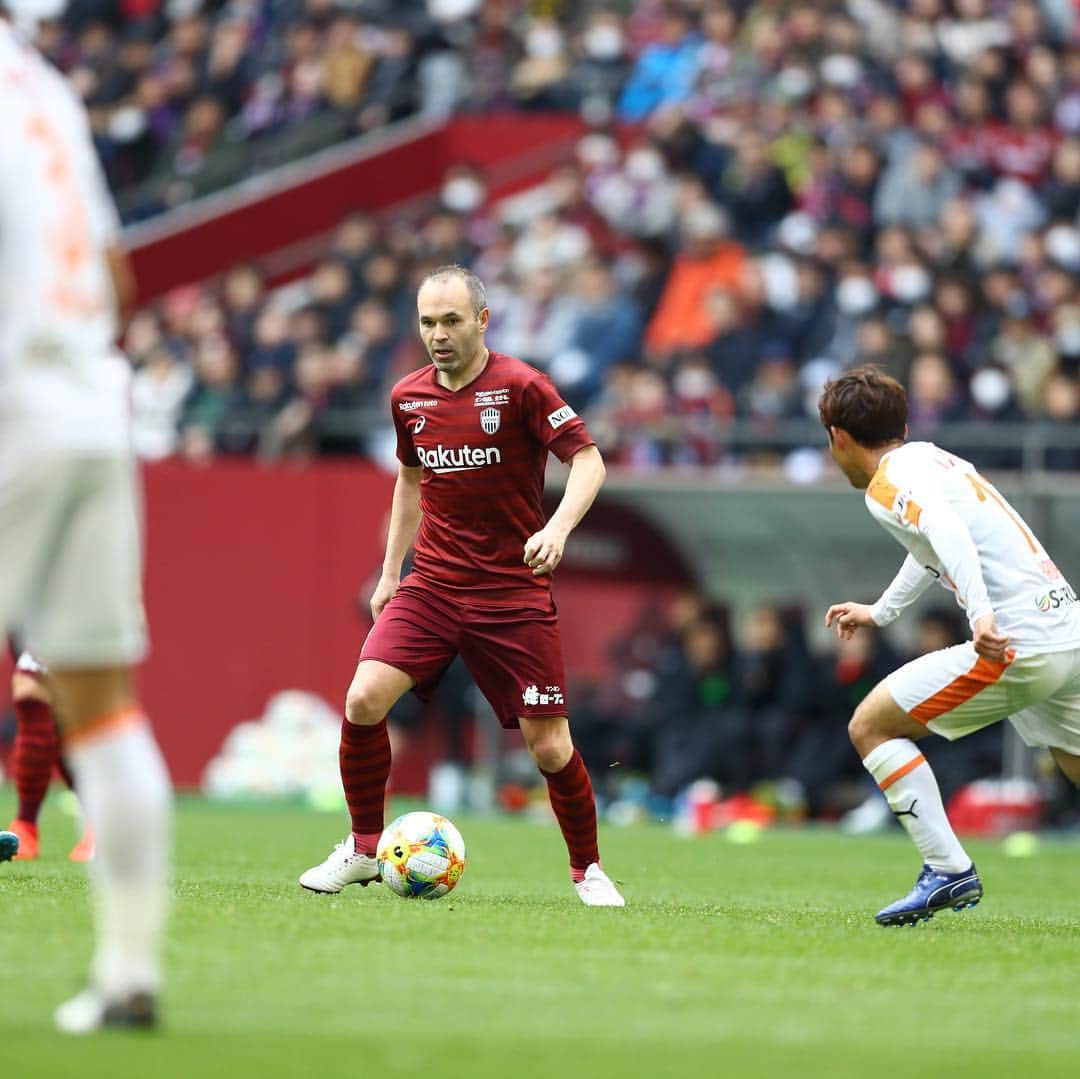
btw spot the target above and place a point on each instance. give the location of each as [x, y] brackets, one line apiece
[474, 429]
[35, 754]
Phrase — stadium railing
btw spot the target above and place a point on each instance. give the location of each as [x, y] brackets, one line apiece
[284, 218]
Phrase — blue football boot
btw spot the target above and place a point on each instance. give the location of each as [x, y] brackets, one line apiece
[933, 891]
[9, 846]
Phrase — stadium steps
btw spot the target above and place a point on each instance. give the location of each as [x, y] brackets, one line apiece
[284, 218]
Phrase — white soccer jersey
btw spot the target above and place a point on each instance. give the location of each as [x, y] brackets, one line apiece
[960, 531]
[63, 386]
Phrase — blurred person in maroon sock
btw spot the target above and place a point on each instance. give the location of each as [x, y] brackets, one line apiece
[35, 755]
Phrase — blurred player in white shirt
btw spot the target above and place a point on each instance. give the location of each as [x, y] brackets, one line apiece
[70, 534]
[1023, 661]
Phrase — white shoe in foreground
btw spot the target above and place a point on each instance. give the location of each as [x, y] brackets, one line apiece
[868, 817]
[596, 890]
[344, 866]
[90, 1011]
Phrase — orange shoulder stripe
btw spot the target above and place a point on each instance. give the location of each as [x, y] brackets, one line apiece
[881, 490]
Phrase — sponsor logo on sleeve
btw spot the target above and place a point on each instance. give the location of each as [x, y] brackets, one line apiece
[560, 416]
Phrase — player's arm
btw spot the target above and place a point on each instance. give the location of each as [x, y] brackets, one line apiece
[912, 580]
[920, 510]
[906, 587]
[104, 223]
[404, 522]
[544, 549]
[123, 282]
[947, 533]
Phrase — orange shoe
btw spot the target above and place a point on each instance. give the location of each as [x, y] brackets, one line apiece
[83, 851]
[28, 839]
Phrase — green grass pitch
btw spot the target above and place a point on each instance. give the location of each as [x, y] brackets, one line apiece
[729, 960]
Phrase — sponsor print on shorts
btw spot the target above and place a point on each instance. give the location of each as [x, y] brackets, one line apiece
[534, 695]
[28, 665]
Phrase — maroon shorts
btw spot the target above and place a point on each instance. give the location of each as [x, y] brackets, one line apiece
[513, 653]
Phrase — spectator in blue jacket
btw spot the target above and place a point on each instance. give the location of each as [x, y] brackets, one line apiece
[606, 330]
[666, 69]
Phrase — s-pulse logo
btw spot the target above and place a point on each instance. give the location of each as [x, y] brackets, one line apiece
[560, 416]
[444, 459]
[1055, 598]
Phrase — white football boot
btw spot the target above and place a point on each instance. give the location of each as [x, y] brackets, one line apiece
[344, 866]
[596, 890]
[91, 1010]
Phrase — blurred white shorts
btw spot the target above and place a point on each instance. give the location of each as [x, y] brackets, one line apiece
[955, 692]
[71, 561]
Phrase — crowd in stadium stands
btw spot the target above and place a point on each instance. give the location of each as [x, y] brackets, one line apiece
[770, 192]
[751, 707]
[743, 702]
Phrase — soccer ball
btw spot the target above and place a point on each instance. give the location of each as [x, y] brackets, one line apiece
[421, 856]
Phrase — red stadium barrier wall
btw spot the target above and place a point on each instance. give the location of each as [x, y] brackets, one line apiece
[252, 581]
[253, 577]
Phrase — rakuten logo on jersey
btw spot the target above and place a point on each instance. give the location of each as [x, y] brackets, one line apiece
[444, 459]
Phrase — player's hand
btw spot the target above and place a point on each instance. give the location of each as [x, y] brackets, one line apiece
[544, 550]
[989, 641]
[383, 594]
[848, 617]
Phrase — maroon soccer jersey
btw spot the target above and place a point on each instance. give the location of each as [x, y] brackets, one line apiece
[483, 449]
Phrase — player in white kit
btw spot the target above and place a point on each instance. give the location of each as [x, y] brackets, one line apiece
[1023, 661]
[70, 533]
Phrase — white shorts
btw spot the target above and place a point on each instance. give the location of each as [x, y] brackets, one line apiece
[71, 561]
[955, 692]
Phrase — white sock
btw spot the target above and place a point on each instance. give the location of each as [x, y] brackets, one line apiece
[909, 786]
[127, 796]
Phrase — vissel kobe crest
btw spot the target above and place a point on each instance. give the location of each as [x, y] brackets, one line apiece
[490, 419]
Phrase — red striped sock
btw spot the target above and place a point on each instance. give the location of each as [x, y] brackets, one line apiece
[571, 795]
[37, 749]
[364, 757]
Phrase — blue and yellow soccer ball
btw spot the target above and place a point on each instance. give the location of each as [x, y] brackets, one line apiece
[421, 856]
[9, 846]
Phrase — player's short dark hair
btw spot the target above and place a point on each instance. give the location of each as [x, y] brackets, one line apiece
[477, 293]
[868, 404]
